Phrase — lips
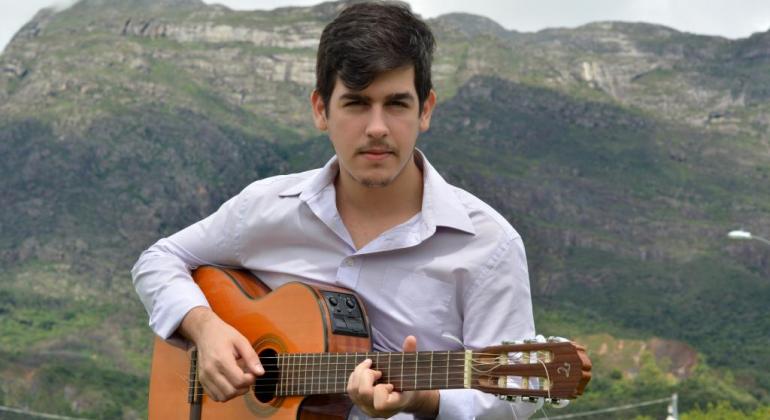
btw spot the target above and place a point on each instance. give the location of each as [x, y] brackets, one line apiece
[376, 151]
[376, 154]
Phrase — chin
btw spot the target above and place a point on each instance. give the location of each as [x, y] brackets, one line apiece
[375, 182]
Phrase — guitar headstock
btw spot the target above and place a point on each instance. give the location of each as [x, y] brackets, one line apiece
[555, 369]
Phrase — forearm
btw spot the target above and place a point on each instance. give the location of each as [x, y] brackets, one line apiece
[193, 323]
[426, 404]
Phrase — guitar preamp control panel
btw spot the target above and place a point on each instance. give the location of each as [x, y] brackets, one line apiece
[347, 317]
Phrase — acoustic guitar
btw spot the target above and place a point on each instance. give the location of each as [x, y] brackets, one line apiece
[309, 339]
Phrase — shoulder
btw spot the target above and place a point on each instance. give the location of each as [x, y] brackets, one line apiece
[488, 222]
[275, 186]
[494, 243]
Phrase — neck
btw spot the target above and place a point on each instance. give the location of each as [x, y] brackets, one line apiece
[403, 196]
[327, 373]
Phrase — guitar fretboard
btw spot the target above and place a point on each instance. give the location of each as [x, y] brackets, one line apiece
[327, 373]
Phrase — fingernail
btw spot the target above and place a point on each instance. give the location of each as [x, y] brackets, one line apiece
[260, 370]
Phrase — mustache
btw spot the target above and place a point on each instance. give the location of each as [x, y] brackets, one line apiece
[378, 146]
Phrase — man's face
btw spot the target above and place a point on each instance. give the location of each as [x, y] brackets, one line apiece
[374, 131]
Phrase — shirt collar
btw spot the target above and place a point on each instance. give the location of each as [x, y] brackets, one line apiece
[441, 205]
[315, 183]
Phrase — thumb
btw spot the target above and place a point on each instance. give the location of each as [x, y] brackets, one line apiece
[250, 357]
[410, 344]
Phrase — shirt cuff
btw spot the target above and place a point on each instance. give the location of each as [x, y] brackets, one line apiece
[464, 404]
[172, 305]
[455, 404]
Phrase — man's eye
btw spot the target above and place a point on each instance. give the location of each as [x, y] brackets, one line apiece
[354, 103]
[400, 104]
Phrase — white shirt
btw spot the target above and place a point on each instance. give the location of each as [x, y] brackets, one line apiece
[457, 267]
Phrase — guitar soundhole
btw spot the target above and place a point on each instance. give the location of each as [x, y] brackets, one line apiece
[265, 387]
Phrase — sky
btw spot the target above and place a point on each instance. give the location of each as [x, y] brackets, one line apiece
[728, 18]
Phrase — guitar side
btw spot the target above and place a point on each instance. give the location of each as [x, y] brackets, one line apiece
[292, 319]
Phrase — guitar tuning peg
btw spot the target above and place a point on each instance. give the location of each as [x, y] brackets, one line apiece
[553, 339]
[538, 339]
[557, 402]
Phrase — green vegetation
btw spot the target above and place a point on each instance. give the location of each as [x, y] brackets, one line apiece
[723, 410]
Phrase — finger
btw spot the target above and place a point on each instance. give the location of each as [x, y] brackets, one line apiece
[229, 372]
[247, 353]
[211, 393]
[410, 344]
[249, 377]
[212, 390]
[353, 379]
[224, 389]
[366, 380]
[382, 398]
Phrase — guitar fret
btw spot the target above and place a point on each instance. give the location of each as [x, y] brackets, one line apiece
[278, 366]
[303, 367]
[336, 372]
[347, 368]
[285, 374]
[430, 377]
[416, 369]
[321, 374]
[447, 369]
[292, 375]
[328, 362]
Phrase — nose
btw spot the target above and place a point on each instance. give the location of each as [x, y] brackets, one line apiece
[377, 126]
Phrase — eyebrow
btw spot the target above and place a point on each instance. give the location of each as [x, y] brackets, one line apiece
[401, 96]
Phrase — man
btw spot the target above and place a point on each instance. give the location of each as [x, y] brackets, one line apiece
[427, 258]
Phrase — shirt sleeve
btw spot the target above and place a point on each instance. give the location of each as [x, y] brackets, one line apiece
[162, 277]
[495, 308]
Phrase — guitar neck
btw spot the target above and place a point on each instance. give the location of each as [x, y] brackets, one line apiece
[327, 373]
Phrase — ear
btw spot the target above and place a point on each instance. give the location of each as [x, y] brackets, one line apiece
[319, 110]
[427, 111]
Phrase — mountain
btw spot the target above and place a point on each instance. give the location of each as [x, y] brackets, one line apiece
[621, 152]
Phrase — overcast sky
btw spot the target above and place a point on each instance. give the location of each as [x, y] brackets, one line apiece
[729, 18]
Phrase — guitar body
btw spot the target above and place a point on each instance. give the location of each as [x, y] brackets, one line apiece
[295, 318]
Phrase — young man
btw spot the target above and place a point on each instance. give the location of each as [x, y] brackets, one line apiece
[427, 258]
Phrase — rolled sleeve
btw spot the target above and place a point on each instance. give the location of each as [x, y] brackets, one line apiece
[162, 277]
[462, 404]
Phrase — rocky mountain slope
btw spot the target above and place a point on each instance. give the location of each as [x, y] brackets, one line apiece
[622, 152]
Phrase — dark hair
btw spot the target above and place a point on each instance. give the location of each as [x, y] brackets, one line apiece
[369, 38]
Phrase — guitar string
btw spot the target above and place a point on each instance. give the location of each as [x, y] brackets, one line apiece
[324, 367]
[344, 385]
[476, 366]
[304, 382]
[311, 385]
[460, 354]
[339, 384]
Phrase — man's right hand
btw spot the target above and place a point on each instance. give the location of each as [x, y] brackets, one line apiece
[227, 364]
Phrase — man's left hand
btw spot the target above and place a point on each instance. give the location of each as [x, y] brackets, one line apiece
[380, 400]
